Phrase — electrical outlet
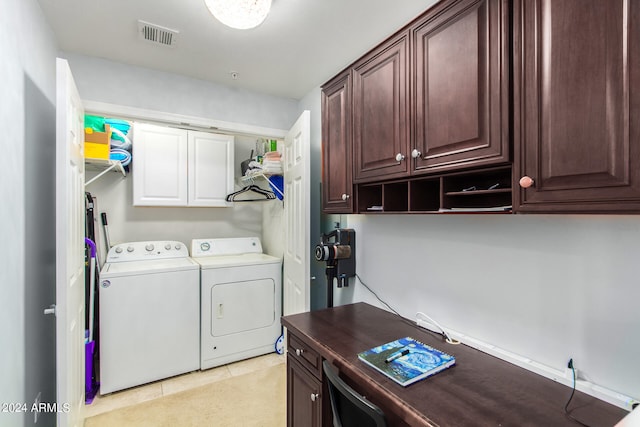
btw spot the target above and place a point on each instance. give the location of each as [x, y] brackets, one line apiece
[571, 370]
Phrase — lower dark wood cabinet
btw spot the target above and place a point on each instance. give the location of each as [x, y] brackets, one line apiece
[304, 396]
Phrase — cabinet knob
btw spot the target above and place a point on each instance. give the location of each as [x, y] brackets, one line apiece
[399, 157]
[416, 153]
[299, 351]
[314, 396]
[526, 182]
[345, 197]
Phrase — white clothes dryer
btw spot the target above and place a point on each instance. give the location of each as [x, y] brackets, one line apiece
[241, 299]
[149, 314]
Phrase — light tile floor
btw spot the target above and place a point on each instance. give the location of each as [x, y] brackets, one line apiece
[145, 393]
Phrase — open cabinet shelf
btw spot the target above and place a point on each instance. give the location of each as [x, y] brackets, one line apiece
[487, 190]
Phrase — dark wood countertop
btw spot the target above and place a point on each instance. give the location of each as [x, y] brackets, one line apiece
[480, 390]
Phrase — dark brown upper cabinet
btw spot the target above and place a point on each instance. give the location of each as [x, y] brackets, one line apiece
[381, 111]
[577, 105]
[337, 163]
[461, 86]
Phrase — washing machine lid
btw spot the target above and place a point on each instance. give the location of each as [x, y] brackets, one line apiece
[146, 267]
[236, 260]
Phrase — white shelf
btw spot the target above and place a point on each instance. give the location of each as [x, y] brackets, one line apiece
[262, 175]
[103, 166]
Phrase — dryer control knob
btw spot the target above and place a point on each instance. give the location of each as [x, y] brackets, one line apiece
[168, 246]
[130, 249]
[149, 248]
[118, 250]
[205, 246]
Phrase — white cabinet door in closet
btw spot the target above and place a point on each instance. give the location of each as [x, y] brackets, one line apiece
[159, 166]
[210, 168]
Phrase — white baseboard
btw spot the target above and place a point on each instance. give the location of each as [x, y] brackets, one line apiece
[564, 376]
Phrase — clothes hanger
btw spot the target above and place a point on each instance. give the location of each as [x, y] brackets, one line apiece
[266, 195]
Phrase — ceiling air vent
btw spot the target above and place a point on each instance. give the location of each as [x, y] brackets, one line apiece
[156, 34]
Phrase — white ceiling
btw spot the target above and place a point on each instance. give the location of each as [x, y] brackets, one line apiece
[301, 44]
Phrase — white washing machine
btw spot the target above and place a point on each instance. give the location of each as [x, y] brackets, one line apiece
[241, 299]
[149, 314]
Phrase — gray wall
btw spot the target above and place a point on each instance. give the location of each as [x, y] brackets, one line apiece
[27, 255]
[544, 287]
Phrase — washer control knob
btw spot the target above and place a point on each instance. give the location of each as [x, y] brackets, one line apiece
[205, 246]
[168, 246]
[149, 247]
[118, 250]
[129, 248]
[178, 246]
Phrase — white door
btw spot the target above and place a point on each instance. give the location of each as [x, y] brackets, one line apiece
[69, 249]
[160, 166]
[210, 168]
[297, 217]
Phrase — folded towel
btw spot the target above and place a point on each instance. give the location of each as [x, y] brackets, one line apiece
[270, 163]
[272, 155]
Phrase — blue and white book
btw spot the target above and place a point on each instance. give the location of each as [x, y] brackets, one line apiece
[406, 360]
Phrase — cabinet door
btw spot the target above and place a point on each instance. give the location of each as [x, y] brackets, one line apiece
[304, 396]
[577, 105]
[380, 111]
[210, 169]
[337, 166]
[159, 166]
[461, 105]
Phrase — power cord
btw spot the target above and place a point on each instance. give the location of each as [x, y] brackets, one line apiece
[377, 297]
[444, 332]
[446, 336]
[573, 390]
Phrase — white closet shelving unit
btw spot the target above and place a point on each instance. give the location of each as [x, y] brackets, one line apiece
[102, 166]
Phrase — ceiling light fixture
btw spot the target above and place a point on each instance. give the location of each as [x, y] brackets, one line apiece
[240, 14]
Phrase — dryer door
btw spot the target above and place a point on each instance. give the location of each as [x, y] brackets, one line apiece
[242, 306]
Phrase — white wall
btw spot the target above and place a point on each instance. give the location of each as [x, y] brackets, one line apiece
[116, 83]
[545, 287]
[27, 269]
